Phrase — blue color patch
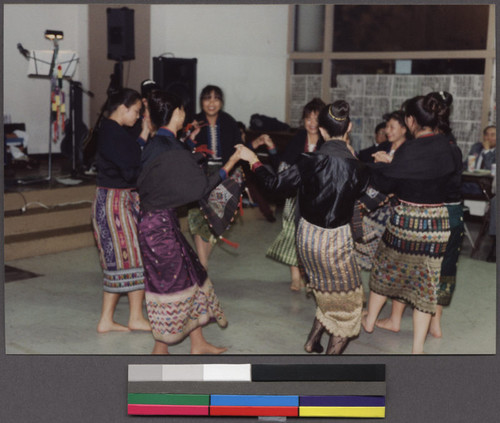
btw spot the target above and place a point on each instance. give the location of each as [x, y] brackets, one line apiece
[255, 400]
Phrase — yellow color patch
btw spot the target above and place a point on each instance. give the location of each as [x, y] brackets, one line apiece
[378, 412]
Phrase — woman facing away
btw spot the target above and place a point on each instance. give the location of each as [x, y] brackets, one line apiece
[407, 264]
[453, 203]
[180, 298]
[284, 248]
[115, 211]
[328, 182]
[218, 135]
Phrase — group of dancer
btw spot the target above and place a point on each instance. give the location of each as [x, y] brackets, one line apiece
[322, 182]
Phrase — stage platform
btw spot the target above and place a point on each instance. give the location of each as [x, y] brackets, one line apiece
[45, 215]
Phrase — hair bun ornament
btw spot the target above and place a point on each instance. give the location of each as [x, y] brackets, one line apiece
[441, 93]
[340, 119]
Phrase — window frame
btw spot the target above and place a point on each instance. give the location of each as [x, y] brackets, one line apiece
[327, 56]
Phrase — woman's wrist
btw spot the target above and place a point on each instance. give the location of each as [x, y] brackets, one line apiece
[253, 160]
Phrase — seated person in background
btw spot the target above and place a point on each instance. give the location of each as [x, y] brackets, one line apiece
[381, 144]
[485, 151]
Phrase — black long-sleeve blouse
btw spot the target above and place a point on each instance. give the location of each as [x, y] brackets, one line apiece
[172, 175]
[228, 133]
[328, 183]
[419, 172]
[118, 156]
[294, 148]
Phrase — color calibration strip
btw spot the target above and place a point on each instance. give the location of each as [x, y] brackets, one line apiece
[257, 390]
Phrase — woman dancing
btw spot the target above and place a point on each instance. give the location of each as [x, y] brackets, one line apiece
[375, 220]
[217, 137]
[180, 298]
[328, 182]
[453, 203]
[116, 209]
[307, 140]
[407, 264]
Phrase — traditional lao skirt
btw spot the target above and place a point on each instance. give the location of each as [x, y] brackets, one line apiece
[284, 247]
[114, 218]
[407, 265]
[448, 277]
[333, 276]
[197, 223]
[373, 228]
[179, 296]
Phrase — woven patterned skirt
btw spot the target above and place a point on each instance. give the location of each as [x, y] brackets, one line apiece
[333, 276]
[179, 296]
[114, 219]
[373, 229]
[407, 265]
[197, 224]
[448, 277]
[284, 247]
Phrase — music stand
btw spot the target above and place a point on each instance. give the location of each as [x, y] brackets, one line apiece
[43, 64]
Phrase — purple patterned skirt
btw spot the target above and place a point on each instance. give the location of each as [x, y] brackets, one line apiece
[114, 217]
[179, 296]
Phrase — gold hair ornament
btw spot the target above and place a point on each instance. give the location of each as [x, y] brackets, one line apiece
[335, 117]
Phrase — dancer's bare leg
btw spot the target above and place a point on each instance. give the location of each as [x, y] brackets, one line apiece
[136, 319]
[435, 326]
[393, 323]
[297, 283]
[375, 304]
[160, 348]
[199, 345]
[203, 249]
[421, 323]
[106, 322]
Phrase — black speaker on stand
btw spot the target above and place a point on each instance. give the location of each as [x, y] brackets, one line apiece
[178, 76]
[121, 36]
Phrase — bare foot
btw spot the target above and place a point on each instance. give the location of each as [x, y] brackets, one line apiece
[297, 285]
[104, 327]
[435, 331]
[364, 322]
[208, 349]
[139, 324]
[387, 324]
[160, 348]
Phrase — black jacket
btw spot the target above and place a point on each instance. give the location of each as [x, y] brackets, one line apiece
[171, 175]
[419, 172]
[328, 181]
[118, 156]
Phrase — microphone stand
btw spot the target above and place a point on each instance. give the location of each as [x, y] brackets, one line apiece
[52, 87]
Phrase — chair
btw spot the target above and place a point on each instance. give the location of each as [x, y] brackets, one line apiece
[466, 209]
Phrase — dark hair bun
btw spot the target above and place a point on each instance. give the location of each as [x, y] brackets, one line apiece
[340, 109]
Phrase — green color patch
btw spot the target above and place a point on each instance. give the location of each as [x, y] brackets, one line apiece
[169, 399]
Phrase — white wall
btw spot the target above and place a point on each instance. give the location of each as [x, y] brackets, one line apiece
[28, 99]
[241, 48]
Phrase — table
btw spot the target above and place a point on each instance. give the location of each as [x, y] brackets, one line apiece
[483, 179]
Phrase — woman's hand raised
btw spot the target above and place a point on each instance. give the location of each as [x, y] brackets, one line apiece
[246, 154]
[382, 157]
